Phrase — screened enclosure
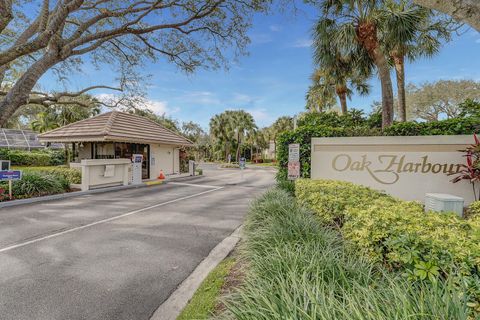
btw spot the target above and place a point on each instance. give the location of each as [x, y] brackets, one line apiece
[23, 139]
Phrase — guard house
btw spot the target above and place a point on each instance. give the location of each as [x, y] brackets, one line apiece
[119, 135]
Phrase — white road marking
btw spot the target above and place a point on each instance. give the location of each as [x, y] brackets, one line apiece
[194, 185]
[19, 245]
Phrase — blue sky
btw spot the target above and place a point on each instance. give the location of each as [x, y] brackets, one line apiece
[272, 80]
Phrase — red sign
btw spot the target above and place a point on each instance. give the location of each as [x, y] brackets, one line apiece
[293, 170]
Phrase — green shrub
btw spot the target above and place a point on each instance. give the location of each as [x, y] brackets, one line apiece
[329, 198]
[34, 184]
[303, 136]
[298, 269]
[474, 210]
[44, 157]
[72, 175]
[26, 158]
[287, 185]
[434, 128]
[399, 234]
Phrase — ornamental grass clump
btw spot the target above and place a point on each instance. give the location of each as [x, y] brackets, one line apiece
[299, 269]
[74, 176]
[35, 184]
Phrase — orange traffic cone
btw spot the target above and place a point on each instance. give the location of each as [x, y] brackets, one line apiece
[161, 176]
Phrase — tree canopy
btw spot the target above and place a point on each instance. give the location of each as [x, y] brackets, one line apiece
[43, 35]
[441, 99]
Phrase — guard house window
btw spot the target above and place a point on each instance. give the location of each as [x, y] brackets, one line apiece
[103, 151]
[126, 150]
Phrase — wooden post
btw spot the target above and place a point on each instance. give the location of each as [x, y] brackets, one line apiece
[10, 189]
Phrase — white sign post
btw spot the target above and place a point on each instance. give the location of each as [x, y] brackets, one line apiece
[293, 161]
[137, 160]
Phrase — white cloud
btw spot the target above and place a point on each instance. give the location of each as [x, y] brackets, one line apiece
[201, 97]
[243, 98]
[302, 43]
[160, 107]
[275, 28]
[156, 106]
[261, 38]
[261, 116]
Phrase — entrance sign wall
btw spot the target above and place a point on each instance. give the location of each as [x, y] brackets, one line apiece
[405, 167]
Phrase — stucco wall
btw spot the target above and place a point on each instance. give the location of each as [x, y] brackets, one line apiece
[161, 158]
[405, 167]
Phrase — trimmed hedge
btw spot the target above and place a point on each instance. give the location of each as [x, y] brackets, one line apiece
[399, 234]
[317, 125]
[44, 157]
[296, 268]
[437, 128]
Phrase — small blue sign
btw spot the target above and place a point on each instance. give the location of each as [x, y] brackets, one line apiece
[242, 163]
[6, 175]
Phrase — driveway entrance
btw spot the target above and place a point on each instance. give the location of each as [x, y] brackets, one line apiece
[116, 255]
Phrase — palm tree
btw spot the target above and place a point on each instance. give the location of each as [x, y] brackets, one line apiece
[354, 27]
[341, 82]
[243, 125]
[319, 98]
[411, 32]
[340, 72]
[280, 125]
[45, 121]
[221, 131]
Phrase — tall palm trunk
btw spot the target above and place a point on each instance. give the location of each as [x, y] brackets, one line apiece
[226, 150]
[387, 90]
[342, 95]
[367, 36]
[399, 61]
[238, 148]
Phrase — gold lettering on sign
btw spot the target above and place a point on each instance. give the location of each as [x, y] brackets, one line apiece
[388, 168]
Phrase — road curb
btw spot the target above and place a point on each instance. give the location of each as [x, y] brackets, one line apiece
[66, 195]
[171, 308]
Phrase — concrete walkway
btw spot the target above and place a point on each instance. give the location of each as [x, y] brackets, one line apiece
[116, 255]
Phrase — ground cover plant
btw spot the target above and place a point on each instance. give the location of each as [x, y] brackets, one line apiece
[296, 268]
[429, 247]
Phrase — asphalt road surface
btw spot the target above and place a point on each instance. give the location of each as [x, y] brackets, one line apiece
[117, 255]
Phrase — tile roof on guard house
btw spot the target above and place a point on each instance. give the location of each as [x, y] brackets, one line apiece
[115, 127]
[119, 135]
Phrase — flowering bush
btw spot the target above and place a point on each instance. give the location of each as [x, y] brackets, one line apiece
[471, 171]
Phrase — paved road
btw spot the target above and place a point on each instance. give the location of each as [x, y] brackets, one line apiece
[117, 255]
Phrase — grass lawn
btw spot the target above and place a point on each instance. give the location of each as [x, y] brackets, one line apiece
[203, 302]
